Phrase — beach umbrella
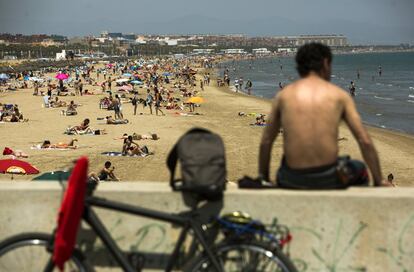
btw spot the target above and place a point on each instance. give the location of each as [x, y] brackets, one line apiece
[110, 65]
[26, 78]
[4, 76]
[122, 80]
[54, 175]
[14, 166]
[126, 88]
[61, 76]
[35, 79]
[195, 100]
[137, 82]
[127, 75]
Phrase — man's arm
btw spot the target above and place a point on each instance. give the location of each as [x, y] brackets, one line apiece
[268, 137]
[353, 120]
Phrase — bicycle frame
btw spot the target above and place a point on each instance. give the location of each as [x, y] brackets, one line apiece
[185, 222]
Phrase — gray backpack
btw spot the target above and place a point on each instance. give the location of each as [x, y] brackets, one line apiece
[203, 164]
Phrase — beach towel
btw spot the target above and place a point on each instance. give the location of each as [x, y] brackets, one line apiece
[119, 154]
[39, 147]
[259, 125]
[70, 132]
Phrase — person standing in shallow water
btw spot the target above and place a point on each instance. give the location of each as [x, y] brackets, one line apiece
[379, 71]
[352, 89]
[310, 110]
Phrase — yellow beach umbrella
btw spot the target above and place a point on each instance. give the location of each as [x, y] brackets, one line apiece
[195, 100]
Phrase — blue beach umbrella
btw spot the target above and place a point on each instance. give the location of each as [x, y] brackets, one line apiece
[136, 82]
[4, 76]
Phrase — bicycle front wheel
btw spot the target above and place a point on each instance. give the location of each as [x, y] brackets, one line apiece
[245, 257]
[28, 252]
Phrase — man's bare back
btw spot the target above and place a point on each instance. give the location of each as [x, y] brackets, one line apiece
[310, 112]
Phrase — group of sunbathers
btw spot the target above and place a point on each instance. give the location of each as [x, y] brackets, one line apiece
[11, 113]
[131, 148]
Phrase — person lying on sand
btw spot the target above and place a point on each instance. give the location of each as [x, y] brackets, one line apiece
[260, 120]
[137, 137]
[14, 153]
[151, 136]
[71, 145]
[106, 174]
[112, 121]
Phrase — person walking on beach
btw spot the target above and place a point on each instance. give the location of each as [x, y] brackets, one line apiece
[158, 100]
[379, 71]
[120, 114]
[76, 86]
[149, 100]
[115, 106]
[249, 85]
[134, 102]
[80, 86]
[109, 83]
[310, 110]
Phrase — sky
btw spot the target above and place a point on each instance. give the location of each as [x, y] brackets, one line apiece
[362, 21]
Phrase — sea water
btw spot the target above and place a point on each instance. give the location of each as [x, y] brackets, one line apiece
[385, 101]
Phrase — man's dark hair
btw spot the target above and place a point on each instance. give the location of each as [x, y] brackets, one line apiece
[310, 57]
[108, 164]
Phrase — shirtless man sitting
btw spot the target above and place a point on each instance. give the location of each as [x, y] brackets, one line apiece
[310, 111]
[106, 174]
[71, 109]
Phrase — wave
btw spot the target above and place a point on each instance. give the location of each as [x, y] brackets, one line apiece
[411, 88]
[411, 95]
[378, 114]
[384, 98]
[411, 101]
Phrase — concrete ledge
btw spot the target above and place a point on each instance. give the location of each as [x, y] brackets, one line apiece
[352, 230]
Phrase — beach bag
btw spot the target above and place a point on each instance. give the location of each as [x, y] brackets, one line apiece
[203, 166]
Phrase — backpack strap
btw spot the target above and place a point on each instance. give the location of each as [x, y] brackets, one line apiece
[172, 163]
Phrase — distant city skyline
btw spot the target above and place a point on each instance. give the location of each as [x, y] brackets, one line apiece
[363, 22]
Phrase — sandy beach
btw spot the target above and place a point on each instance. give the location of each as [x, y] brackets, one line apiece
[219, 113]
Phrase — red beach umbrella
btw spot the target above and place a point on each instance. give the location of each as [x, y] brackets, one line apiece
[14, 166]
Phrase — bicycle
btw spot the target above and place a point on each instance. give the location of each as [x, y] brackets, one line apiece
[243, 243]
